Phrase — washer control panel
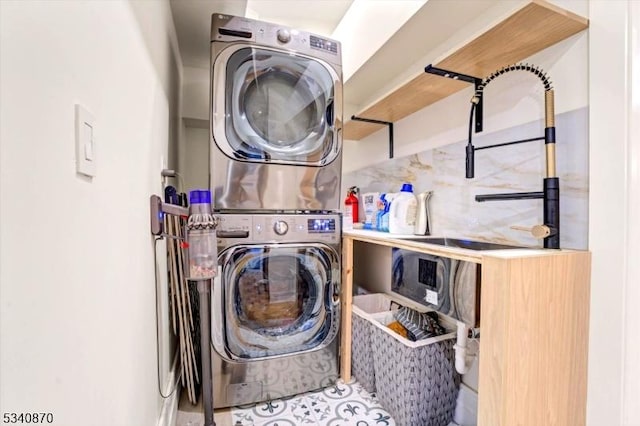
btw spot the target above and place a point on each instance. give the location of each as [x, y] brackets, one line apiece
[247, 228]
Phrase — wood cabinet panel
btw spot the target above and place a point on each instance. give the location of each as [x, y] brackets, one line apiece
[534, 340]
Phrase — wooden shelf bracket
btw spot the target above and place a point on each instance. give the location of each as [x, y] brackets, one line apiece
[386, 123]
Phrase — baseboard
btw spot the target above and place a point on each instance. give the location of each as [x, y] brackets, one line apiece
[466, 413]
[169, 413]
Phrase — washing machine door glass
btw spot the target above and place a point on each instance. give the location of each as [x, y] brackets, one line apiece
[278, 107]
[279, 299]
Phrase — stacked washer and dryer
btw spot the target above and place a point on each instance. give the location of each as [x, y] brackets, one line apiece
[276, 159]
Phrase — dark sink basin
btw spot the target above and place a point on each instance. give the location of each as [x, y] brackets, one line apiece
[465, 244]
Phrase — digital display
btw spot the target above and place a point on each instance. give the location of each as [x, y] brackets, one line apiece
[321, 226]
[320, 43]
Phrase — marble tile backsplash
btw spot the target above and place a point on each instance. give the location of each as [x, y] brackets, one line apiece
[517, 168]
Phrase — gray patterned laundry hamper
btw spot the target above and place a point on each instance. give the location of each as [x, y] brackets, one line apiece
[416, 382]
[361, 327]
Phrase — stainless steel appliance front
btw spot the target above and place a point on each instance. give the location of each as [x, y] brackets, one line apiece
[275, 306]
[446, 285]
[276, 117]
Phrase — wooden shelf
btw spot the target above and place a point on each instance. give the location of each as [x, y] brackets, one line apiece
[529, 30]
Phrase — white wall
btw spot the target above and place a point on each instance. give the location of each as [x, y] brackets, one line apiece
[194, 147]
[631, 375]
[196, 172]
[196, 94]
[367, 25]
[78, 320]
[613, 392]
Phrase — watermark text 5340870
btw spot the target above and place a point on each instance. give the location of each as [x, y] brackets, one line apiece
[27, 418]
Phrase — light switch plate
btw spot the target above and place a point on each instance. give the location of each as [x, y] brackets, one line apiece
[85, 141]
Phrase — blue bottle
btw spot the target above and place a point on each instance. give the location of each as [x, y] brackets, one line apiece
[388, 199]
[381, 206]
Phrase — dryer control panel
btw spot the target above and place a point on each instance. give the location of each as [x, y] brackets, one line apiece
[233, 29]
[281, 228]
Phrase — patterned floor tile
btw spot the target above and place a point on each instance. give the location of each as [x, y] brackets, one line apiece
[294, 410]
[338, 405]
[356, 412]
[320, 406]
[280, 422]
[340, 391]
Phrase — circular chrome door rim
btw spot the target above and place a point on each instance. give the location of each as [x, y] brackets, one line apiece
[218, 111]
[219, 299]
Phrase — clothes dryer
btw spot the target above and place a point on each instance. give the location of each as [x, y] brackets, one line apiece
[275, 306]
[276, 117]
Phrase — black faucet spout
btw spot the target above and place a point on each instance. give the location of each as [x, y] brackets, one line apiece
[509, 196]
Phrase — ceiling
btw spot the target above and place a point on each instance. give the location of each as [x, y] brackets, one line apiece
[192, 19]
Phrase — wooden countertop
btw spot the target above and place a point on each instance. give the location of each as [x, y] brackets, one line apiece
[475, 256]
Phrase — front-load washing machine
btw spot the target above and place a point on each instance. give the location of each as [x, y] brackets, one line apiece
[276, 117]
[275, 306]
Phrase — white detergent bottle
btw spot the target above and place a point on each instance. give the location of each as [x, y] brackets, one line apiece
[402, 214]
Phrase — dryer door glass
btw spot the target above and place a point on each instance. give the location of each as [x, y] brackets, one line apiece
[279, 299]
[279, 107]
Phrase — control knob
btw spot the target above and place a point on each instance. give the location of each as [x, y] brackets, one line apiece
[280, 227]
[284, 36]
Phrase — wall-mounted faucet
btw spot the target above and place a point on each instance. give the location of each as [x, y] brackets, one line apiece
[550, 229]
